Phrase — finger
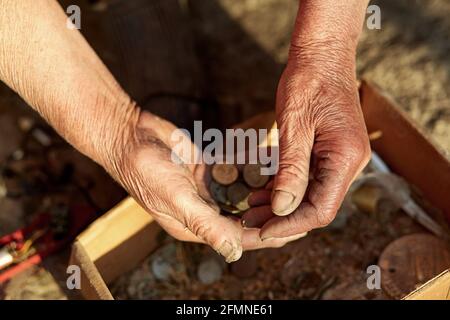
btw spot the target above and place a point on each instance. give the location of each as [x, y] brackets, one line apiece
[176, 229]
[203, 175]
[269, 185]
[257, 217]
[291, 179]
[252, 241]
[221, 233]
[259, 198]
[325, 194]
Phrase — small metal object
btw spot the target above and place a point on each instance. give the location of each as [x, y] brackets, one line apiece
[410, 261]
[372, 200]
[224, 174]
[218, 192]
[401, 195]
[229, 209]
[238, 194]
[253, 177]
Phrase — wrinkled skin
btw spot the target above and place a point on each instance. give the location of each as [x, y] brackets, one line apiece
[56, 72]
[176, 195]
[323, 147]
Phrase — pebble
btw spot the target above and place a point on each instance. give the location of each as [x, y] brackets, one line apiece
[209, 271]
[164, 262]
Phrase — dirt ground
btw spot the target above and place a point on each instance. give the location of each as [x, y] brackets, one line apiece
[240, 49]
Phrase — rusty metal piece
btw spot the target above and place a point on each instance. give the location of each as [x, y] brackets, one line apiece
[253, 177]
[410, 261]
[224, 174]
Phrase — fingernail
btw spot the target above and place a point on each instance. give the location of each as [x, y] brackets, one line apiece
[229, 252]
[269, 238]
[248, 224]
[290, 238]
[281, 202]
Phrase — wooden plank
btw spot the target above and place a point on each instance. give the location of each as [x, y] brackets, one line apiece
[92, 285]
[437, 288]
[116, 242]
[405, 148]
[120, 239]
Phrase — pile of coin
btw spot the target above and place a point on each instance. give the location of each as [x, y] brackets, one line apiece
[231, 188]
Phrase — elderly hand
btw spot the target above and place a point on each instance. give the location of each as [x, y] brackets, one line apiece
[323, 146]
[176, 194]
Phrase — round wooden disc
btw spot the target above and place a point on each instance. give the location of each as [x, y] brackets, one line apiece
[410, 261]
[225, 174]
[253, 177]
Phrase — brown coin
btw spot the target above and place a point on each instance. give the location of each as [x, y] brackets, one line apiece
[411, 261]
[224, 174]
[253, 176]
[238, 194]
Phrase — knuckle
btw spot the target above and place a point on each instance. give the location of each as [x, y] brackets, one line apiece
[358, 151]
[293, 171]
[198, 226]
[324, 219]
[293, 223]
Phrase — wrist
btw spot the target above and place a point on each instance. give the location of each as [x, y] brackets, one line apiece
[324, 57]
[114, 135]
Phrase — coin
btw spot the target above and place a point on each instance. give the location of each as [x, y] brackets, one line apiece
[218, 192]
[253, 176]
[224, 174]
[238, 194]
[229, 209]
[411, 261]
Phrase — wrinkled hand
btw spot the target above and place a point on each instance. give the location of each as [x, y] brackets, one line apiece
[323, 146]
[176, 194]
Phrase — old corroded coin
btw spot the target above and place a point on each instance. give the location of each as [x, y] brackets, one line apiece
[411, 261]
[225, 174]
[238, 194]
[253, 176]
[218, 192]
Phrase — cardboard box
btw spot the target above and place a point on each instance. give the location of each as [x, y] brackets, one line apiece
[120, 239]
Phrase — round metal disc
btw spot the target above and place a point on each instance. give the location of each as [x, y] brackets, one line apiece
[224, 174]
[238, 194]
[410, 261]
[253, 177]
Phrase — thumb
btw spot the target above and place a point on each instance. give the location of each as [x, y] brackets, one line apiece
[291, 180]
[221, 233]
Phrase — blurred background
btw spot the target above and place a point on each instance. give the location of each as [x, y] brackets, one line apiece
[218, 60]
